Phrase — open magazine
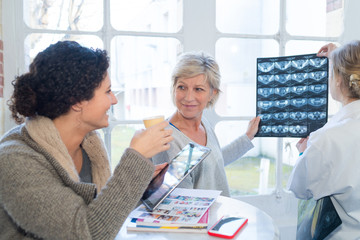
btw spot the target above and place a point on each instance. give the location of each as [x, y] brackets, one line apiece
[183, 210]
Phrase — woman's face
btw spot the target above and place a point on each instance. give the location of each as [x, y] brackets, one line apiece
[192, 96]
[94, 112]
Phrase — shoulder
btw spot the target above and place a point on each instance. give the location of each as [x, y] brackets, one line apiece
[339, 132]
[15, 141]
[18, 152]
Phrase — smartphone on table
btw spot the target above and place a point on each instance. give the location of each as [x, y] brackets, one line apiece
[227, 227]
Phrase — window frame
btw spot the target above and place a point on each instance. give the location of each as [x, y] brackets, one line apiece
[194, 35]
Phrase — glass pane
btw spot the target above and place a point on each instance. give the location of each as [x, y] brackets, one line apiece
[248, 17]
[141, 74]
[121, 136]
[73, 15]
[254, 173]
[146, 15]
[298, 47]
[290, 156]
[36, 42]
[237, 61]
[314, 18]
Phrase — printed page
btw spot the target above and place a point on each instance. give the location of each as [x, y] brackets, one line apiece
[183, 206]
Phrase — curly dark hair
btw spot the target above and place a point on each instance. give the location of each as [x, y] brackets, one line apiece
[62, 75]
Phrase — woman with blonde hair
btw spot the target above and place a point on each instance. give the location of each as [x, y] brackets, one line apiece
[195, 87]
[329, 158]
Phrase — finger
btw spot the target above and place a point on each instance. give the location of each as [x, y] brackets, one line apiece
[167, 139]
[165, 147]
[167, 132]
[159, 167]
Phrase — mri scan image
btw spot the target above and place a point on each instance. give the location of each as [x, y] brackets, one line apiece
[292, 95]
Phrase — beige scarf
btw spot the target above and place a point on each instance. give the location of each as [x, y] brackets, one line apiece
[43, 131]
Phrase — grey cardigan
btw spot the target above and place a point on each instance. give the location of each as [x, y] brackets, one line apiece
[210, 174]
[41, 196]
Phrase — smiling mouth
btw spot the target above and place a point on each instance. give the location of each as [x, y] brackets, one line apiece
[186, 105]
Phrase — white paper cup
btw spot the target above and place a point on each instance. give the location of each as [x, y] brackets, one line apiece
[148, 122]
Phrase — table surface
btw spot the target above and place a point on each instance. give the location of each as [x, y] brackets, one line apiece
[259, 226]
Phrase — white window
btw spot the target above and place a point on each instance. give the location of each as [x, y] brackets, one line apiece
[144, 38]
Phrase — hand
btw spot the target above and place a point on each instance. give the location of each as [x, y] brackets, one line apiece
[157, 179]
[159, 168]
[253, 127]
[153, 140]
[302, 144]
[326, 50]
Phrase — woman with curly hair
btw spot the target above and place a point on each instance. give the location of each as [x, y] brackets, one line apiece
[55, 179]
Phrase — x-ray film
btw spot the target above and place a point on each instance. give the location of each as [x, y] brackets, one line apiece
[292, 95]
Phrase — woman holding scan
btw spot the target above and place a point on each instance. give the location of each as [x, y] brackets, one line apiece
[55, 180]
[195, 86]
[329, 160]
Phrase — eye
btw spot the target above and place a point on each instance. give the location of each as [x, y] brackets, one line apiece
[199, 89]
[180, 87]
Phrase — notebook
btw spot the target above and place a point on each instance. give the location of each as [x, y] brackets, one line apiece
[170, 177]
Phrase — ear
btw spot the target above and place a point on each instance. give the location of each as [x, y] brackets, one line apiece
[77, 107]
[213, 93]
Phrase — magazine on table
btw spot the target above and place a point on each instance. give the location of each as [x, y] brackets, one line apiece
[183, 210]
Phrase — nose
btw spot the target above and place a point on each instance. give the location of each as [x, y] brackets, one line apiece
[189, 95]
[113, 99]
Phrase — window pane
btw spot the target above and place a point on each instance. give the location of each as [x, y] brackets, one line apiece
[290, 156]
[140, 72]
[314, 18]
[300, 47]
[121, 136]
[64, 15]
[146, 15]
[248, 17]
[237, 61]
[36, 42]
[254, 173]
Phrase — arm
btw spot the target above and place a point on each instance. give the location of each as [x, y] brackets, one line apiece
[47, 203]
[241, 145]
[236, 149]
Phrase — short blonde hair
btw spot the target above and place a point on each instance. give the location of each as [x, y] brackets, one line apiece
[191, 64]
[346, 63]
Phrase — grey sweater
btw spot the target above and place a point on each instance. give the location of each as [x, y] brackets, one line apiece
[41, 196]
[210, 174]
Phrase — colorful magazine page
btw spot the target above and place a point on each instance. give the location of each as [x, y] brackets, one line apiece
[316, 219]
[291, 95]
[202, 222]
[181, 207]
[132, 226]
